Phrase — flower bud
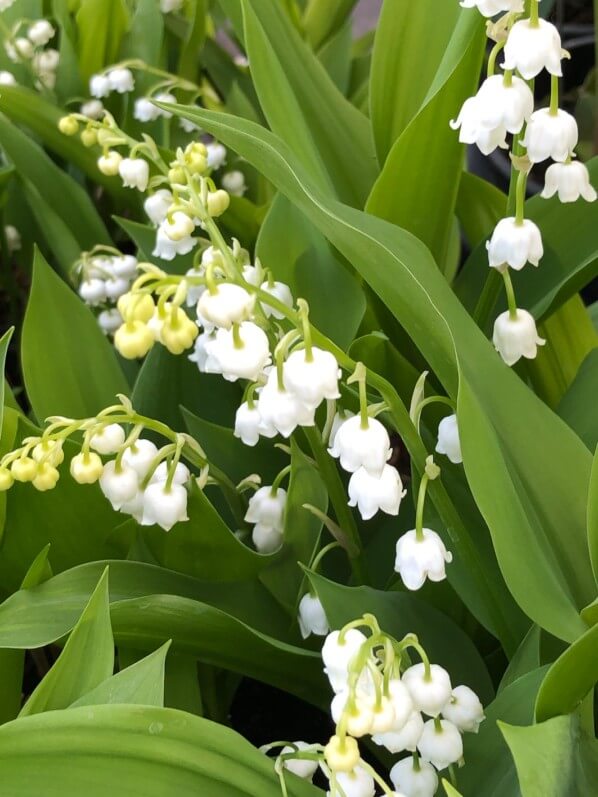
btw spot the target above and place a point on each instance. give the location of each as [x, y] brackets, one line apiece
[68, 125]
[108, 440]
[266, 538]
[134, 173]
[24, 469]
[357, 783]
[136, 307]
[86, 468]
[119, 485]
[234, 183]
[464, 709]
[40, 32]
[121, 80]
[161, 474]
[357, 447]
[217, 203]
[312, 379]
[93, 109]
[156, 206]
[176, 175]
[229, 304]
[279, 290]
[280, 410]
[46, 478]
[358, 715]
[140, 456]
[342, 754]
[92, 291]
[110, 321]
[267, 507]
[49, 451]
[116, 287]
[302, 767]
[89, 137]
[247, 424]
[429, 692]
[24, 48]
[133, 339]
[338, 653]
[108, 164]
[167, 249]
[312, 617]
[6, 479]
[216, 155]
[178, 332]
[178, 226]
[7, 78]
[449, 442]
[517, 337]
[246, 361]
[145, 110]
[99, 86]
[396, 741]
[440, 743]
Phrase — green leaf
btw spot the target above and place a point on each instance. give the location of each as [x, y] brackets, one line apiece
[144, 39]
[86, 660]
[335, 56]
[66, 372]
[323, 17]
[195, 12]
[4, 343]
[553, 759]
[593, 519]
[140, 684]
[480, 206]
[403, 613]
[101, 25]
[577, 405]
[526, 659]
[133, 750]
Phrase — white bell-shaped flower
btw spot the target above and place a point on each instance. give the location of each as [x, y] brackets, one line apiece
[167, 97]
[156, 206]
[228, 304]
[267, 506]
[164, 505]
[108, 440]
[134, 507]
[449, 442]
[234, 183]
[121, 80]
[134, 173]
[124, 266]
[416, 560]
[414, 779]
[93, 109]
[181, 474]
[312, 379]
[92, 291]
[504, 103]
[570, 180]
[216, 155]
[110, 321]
[99, 86]
[359, 447]
[550, 135]
[429, 692]
[115, 287]
[373, 493]
[337, 422]
[396, 741]
[514, 244]
[530, 48]
[517, 337]
[338, 653]
[464, 709]
[440, 743]
[312, 617]
[40, 32]
[360, 716]
[473, 131]
[246, 361]
[179, 226]
[119, 485]
[357, 783]
[247, 424]
[266, 538]
[278, 290]
[303, 768]
[140, 456]
[200, 356]
[145, 110]
[167, 249]
[490, 8]
[402, 704]
[7, 78]
[280, 410]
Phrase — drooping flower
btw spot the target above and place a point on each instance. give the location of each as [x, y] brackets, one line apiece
[449, 442]
[419, 559]
[358, 447]
[430, 687]
[530, 48]
[550, 135]
[517, 337]
[570, 180]
[515, 243]
[373, 493]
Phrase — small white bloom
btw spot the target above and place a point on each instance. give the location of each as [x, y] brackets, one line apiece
[13, 238]
[24, 48]
[417, 560]
[145, 110]
[279, 290]
[245, 362]
[253, 275]
[441, 746]
[170, 6]
[372, 493]
[472, 131]
[490, 8]
[108, 440]
[92, 291]
[46, 61]
[167, 249]
[234, 183]
[570, 180]
[93, 109]
[280, 410]
[337, 655]
[134, 173]
[124, 266]
[404, 739]
[108, 164]
[266, 506]
[140, 456]
[241, 61]
[247, 424]
[156, 206]
[532, 48]
[265, 538]
[358, 721]
[518, 337]
[110, 321]
[216, 155]
[99, 86]
[514, 244]
[357, 783]
[449, 442]
[7, 79]
[165, 96]
[550, 135]
[164, 505]
[313, 379]
[359, 447]
[339, 418]
[115, 287]
[464, 709]
[229, 304]
[312, 617]
[402, 704]
[160, 475]
[430, 693]
[40, 32]
[303, 768]
[505, 105]
[118, 485]
[188, 126]
[134, 507]
[200, 354]
[414, 780]
[178, 226]
[121, 80]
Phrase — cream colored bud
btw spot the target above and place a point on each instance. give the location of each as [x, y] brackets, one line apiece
[46, 478]
[342, 754]
[68, 126]
[136, 307]
[218, 202]
[133, 339]
[24, 469]
[108, 164]
[89, 137]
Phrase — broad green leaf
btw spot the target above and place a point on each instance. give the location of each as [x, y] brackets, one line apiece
[323, 17]
[86, 660]
[70, 201]
[490, 770]
[547, 463]
[592, 515]
[402, 69]
[144, 39]
[427, 147]
[335, 56]
[403, 613]
[69, 366]
[4, 343]
[62, 243]
[68, 79]
[526, 659]
[140, 684]
[553, 759]
[181, 685]
[195, 11]
[480, 206]
[101, 25]
[577, 405]
[133, 750]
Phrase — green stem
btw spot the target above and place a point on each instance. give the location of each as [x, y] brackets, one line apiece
[554, 95]
[534, 14]
[432, 400]
[494, 53]
[419, 515]
[510, 291]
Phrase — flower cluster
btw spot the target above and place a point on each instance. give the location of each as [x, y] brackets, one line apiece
[141, 480]
[26, 44]
[381, 694]
[104, 275]
[504, 105]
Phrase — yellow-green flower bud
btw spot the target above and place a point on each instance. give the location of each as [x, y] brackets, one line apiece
[6, 479]
[133, 339]
[24, 469]
[218, 202]
[89, 137]
[47, 477]
[68, 125]
[342, 753]
[176, 175]
[178, 332]
[86, 468]
[136, 306]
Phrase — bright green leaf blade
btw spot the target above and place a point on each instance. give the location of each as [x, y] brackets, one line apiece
[101, 24]
[335, 56]
[526, 658]
[62, 243]
[4, 343]
[140, 684]
[323, 17]
[134, 751]
[86, 660]
[480, 206]
[66, 373]
[577, 405]
[593, 515]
